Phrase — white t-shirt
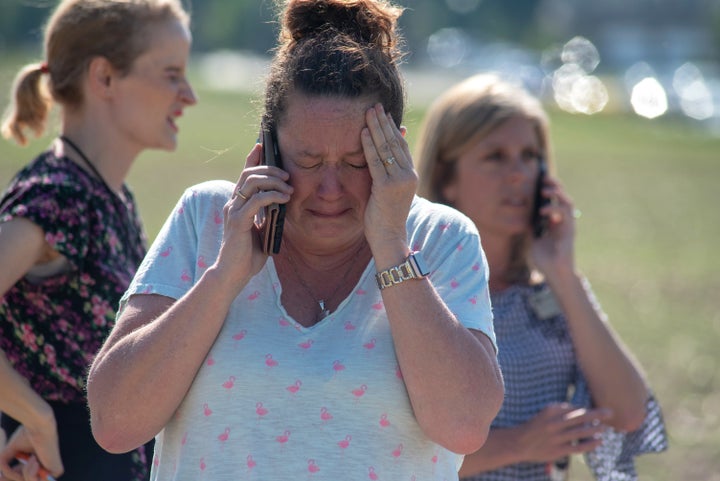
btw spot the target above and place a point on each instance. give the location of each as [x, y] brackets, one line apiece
[278, 401]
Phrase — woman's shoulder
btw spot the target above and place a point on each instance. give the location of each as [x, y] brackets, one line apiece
[428, 215]
[49, 170]
[209, 191]
[47, 182]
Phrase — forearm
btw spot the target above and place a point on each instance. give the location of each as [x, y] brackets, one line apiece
[153, 354]
[500, 449]
[451, 375]
[19, 401]
[614, 377]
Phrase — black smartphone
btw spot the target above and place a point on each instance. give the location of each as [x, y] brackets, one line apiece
[539, 222]
[271, 219]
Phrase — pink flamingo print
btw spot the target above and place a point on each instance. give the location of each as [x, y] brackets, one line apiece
[377, 306]
[260, 410]
[398, 373]
[295, 387]
[417, 247]
[325, 414]
[283, 438]
[349, 326]
[210, 361]
[254, 295]
[240, 335]
[166, 252]
[181, 210]
[202, 464]
[229, 383]
[434, 459]
[444, 227]
[338, 366]
[459, 247]
[148, 290]
[476, 266]
[156, 461]
[201, 262]
[185, 276]
[183, 441]
[345, 443]
[384, 422]
[361, 292]
[224, 436]
[473, 300]
[454, 284]
[206, 410]
[269, 361]
[218, 217]
[306, 344]
[250, 462]
[284, 322]
[372, 474]
[312, 466]
[370, 344]
[359, 392]
[397, 452]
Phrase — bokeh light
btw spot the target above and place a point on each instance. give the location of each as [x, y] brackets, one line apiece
[648, 98]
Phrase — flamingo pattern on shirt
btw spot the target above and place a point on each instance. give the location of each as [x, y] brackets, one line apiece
[276, 400]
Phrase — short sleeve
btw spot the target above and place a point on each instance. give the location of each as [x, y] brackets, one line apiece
[186, 245]
[451, 248]
[60, 210]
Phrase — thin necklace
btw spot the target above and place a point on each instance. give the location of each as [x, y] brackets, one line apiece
[87, 161]
[126, 227]
[324, 311]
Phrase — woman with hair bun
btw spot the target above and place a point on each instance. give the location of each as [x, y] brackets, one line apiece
[70, 235]
[363, 347]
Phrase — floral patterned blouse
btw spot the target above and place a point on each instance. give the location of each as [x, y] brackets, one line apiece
[51, 325]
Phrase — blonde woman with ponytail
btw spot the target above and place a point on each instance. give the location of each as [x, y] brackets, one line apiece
[70, 235]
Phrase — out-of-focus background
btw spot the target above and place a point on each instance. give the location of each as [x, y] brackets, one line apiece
[633, 90]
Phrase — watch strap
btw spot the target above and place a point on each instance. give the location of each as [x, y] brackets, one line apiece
[413, 267]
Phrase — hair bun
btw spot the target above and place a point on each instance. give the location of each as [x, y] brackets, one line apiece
[365, 21]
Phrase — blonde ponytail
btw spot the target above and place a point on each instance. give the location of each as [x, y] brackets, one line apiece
[30, 104]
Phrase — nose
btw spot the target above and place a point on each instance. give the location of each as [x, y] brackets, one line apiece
[519, 169]
[187, 94]
[330, 182]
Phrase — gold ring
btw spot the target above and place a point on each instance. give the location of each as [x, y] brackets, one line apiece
[241, 195]
[389, 161]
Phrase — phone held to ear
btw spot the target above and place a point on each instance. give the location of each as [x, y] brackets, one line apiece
[540, 222]
[43, 473]
[271, 219]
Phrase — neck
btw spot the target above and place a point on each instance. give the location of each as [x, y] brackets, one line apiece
[315, 285]
[109, 157]
[499, 251]
[323, 263]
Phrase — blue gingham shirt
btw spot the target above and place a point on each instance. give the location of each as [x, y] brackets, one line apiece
[539, 366]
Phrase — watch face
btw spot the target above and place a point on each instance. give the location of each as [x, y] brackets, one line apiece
[420, 264]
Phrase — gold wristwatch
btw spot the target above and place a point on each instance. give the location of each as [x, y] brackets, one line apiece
[412, 268]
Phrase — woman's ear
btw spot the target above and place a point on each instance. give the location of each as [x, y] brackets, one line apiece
[101, 75]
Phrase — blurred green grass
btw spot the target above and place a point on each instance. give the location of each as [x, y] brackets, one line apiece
[647, 240]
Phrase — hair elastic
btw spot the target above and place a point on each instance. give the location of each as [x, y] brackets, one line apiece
[44, 68]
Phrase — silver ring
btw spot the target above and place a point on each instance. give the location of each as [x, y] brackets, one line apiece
[241, 195]
[389, 161]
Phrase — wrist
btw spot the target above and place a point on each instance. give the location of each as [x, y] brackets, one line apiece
[412, 267]
[41, 419]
